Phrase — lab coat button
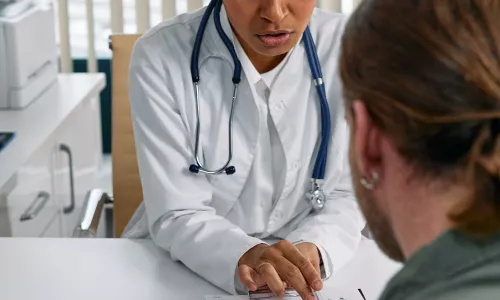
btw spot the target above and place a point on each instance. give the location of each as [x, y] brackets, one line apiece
[296, 165]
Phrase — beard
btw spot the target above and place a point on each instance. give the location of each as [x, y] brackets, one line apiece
[377, 221]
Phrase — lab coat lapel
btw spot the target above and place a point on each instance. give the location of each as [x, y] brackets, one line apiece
[288, 100]
[293, 82]
[227, 189]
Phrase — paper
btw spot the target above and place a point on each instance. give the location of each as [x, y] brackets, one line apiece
[245, 297]
[213, 297]
[324, 295]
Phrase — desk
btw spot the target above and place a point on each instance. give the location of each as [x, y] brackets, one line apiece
[104, 269]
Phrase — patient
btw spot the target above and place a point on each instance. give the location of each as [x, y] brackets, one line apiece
[422, 90]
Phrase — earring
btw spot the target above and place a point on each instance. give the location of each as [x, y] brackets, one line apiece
[369, 184]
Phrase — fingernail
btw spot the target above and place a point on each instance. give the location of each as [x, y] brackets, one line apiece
[317, 285]
[252, 287]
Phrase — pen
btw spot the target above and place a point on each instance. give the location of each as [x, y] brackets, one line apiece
[361, 292]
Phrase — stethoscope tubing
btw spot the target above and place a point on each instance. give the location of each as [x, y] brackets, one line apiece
[320, 165]
[315, 67]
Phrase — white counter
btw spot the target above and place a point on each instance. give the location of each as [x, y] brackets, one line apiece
[95, 269]
[35, 123]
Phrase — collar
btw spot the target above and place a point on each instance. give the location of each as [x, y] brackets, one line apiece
[248, 68]
[251, 73]
[212, 44]
[450, 254]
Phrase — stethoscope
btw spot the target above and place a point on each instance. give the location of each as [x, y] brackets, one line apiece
[316, 196]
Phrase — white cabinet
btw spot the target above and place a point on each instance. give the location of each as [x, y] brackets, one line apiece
[78, 157]
[28, 199]
[53, 161]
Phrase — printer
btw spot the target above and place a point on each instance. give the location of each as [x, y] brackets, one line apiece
[28, 52]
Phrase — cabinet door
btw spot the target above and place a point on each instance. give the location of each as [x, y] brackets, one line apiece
[78, 160]
[27, 202]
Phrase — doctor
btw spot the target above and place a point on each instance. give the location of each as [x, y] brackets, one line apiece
[263, 149]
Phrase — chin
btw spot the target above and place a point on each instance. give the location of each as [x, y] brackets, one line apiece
[274, 51]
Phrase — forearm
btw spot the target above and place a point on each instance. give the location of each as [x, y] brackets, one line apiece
[207, 244]
[336, 231]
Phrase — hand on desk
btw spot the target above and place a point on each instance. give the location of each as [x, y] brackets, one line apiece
[282, 265]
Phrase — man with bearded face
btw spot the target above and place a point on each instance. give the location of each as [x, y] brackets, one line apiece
[422, 89]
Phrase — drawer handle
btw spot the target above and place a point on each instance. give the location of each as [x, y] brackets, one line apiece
[66, 149]
[36, 206]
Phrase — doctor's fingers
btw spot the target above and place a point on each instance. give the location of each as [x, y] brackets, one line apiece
[308, 266]
[249, 278]
[317, 267]
[293, 276]
[272, 278]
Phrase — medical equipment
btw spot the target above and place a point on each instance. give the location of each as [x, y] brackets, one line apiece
[315, 195]
[28, 52]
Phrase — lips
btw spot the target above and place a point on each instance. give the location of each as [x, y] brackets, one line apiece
[274, 39]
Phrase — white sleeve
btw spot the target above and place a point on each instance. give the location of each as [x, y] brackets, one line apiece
[335, 230]
[176, 201]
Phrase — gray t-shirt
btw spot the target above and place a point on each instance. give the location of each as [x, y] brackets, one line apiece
[452, 267]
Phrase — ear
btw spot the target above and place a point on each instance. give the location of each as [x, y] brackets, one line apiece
[366, 138]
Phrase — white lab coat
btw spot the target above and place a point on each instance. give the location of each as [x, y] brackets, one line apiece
[185, 213]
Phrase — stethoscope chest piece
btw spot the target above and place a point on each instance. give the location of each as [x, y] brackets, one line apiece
[316, 196]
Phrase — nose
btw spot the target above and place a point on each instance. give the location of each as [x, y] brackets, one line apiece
[274, 11]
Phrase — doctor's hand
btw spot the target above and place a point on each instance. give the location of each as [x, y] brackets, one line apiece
[311, 252]
[280, 266]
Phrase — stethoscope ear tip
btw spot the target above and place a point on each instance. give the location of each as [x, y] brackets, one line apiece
[194, 169]
[230, 170]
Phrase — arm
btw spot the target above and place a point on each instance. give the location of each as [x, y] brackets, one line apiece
[176, 201]
[336, 230]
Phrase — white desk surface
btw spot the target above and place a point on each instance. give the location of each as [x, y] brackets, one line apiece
[34, 124]
[95, 269]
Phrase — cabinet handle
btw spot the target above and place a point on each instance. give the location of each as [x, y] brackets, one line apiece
[35, 207]
[66, 149]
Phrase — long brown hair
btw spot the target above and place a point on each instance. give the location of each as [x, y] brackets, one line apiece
[428, 72]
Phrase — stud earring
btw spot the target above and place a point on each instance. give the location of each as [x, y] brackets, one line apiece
[369, 184]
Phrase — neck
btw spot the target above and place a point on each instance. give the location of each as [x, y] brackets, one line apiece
[264, 64]
[423, 215]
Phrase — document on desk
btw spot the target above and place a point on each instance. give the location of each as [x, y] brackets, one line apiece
[247, 298]
[244, 297]
[324, 295]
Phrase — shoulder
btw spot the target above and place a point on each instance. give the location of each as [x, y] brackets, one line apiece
[169, 38]
[327, 26]
[327, 29]
[477, 281]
